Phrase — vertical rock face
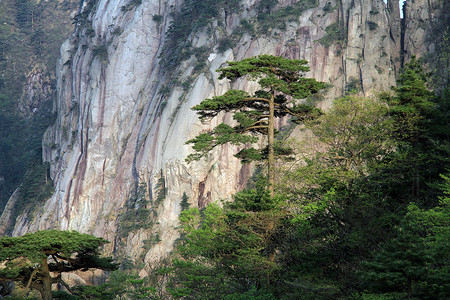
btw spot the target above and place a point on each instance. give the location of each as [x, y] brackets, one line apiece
[123, 116]
[424, 23]
[38, 90]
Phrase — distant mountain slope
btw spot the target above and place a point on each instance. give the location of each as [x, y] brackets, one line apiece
[31, 33]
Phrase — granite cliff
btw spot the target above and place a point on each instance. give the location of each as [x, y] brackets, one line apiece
[132, 70]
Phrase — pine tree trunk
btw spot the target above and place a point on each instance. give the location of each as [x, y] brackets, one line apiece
[270, 145]
[46, 292]
[409, 288]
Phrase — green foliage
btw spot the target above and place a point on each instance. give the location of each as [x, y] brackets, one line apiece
[161, 190]
[416, 261]
[248, 27]
[30, 259]
[158, 19]
[225, 44]
[252, 294]
[362, 215]
[153, 240]
[335, 34]
[329, 7]
[423, 149]
[266, 5]
[372, 25]
[278, 78]
[364, 129]
[184, 202]
[435, 228]
[412, 102]
[227, 252]
[349, 140]
[438, 61]
[267, 19]
[102, 52]
[196, 15]
[353, 228]
[20, 159]
[193, 16]
[36, 188]
[353, 86]
[61, 295]
[136, 215]
[119, 284]
[400, 263]
[131, 4]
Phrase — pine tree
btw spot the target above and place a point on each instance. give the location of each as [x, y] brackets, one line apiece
[34, 258]
[412, 102]
[231, 250]
[401, 263]
[184, 202]
[281, 85]
[414, 112]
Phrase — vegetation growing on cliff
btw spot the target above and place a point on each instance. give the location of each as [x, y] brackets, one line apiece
[194, 15]
[136, 213]
[335, 34]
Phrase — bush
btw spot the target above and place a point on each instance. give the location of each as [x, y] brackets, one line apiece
[157, 18]
[334, 35]
[225, 44]
[372, 25]
[131, 5]
[353, 86]
[136, 214]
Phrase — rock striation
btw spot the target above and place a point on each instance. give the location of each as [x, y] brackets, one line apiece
[123, 110]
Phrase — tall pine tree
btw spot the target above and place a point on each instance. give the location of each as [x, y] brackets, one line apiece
[281, 85]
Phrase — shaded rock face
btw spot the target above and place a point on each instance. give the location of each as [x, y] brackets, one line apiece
[425, 24]
[123, 116]
[37, 91]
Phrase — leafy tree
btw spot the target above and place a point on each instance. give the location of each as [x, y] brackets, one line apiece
[412, 102]
[345, 143]
[29, 40]
[119, 284]
[416, 261]
[421, 130]
[229, 251]
[341, 215]
[435, 225]
[197, 272]
[356, 132]
[33, 259]
[281, 84]
[136, 213]
[338, 214]
[400, 263]
[184, 202]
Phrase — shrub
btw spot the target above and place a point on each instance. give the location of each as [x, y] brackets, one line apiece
[225, 44]
[136, 214]
[158, 19]
[334, 35]
[372, 25]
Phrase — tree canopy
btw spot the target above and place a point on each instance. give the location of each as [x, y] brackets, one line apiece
[31, 259]
[281, 85]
